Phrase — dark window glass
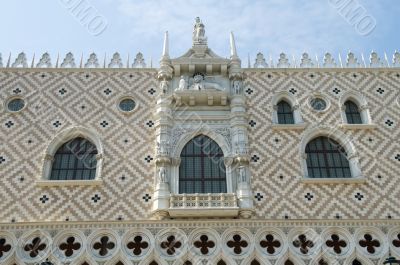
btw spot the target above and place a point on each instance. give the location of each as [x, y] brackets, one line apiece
[75, 160]
[202, 168]
[127, 104]
[16, 104]
[285, 113]
[327, 159]
[352, 113]
[318, 104]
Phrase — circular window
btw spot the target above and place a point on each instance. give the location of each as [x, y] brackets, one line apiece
[127, 105]
[318, 104]
[16, 104]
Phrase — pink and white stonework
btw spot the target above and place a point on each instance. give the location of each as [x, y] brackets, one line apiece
[132, 210]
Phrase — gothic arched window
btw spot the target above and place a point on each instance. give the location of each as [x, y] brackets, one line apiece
[285, 113]
[75, 160]
[353, 114]
[202, 168]
[326, 159]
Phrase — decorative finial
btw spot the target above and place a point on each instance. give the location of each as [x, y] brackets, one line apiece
[233, 46]
[166, 45]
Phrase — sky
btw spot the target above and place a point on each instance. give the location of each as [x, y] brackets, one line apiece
[130, 26]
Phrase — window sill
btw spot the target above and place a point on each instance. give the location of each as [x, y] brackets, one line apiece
[308, 180]
[55, 183]
[358, 126]
[298, 126]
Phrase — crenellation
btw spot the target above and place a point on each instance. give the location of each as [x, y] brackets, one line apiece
[283, 61]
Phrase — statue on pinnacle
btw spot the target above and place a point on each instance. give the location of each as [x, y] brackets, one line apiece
[199, 33]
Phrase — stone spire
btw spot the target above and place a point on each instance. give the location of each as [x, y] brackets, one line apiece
[165, 72]
[235, 71]
[165, 52]
[233, 46]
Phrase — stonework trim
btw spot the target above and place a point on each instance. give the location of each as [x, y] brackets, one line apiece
[339, 137]
[61, 138]
[294, 104]
[184, 139]
[362, 104]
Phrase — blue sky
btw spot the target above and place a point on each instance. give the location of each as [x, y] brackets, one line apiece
[269, 26]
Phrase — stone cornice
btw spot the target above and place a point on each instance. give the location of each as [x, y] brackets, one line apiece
[201, 223]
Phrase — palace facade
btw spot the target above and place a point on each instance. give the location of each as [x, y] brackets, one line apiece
[200, 161]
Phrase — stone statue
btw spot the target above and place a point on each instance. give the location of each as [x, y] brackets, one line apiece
[199, 32]
[182, 83]
[236, 87]
[242, 174]
[164, 86]
[162, 175]
[200, 84]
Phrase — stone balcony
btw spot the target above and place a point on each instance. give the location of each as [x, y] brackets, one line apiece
[203, 205]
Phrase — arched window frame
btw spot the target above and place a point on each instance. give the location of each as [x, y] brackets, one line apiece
[294, 104]
[181, 143]
[204, 156]
[60, 139]
[345, 143]
[358, 99]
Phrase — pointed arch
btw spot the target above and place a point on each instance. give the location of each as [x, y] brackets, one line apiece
[323, 259]
[221, 257]
[187, 137]
[292, 103]
[202, 168]
[352, 260]
[256, 257]
[153, 260]
[326, 159]
[118, 259]
[66, 136]
[338, 137]
[84, 260]
[289, 257]
[361, 104]
[221, 139]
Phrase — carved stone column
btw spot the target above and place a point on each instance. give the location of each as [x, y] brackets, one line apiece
[296, 114]
[163, 123]
[240, 167]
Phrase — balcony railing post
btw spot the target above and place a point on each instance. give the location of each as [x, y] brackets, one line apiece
[197, 200]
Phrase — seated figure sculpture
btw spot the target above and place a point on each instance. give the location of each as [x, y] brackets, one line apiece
[199, 83]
